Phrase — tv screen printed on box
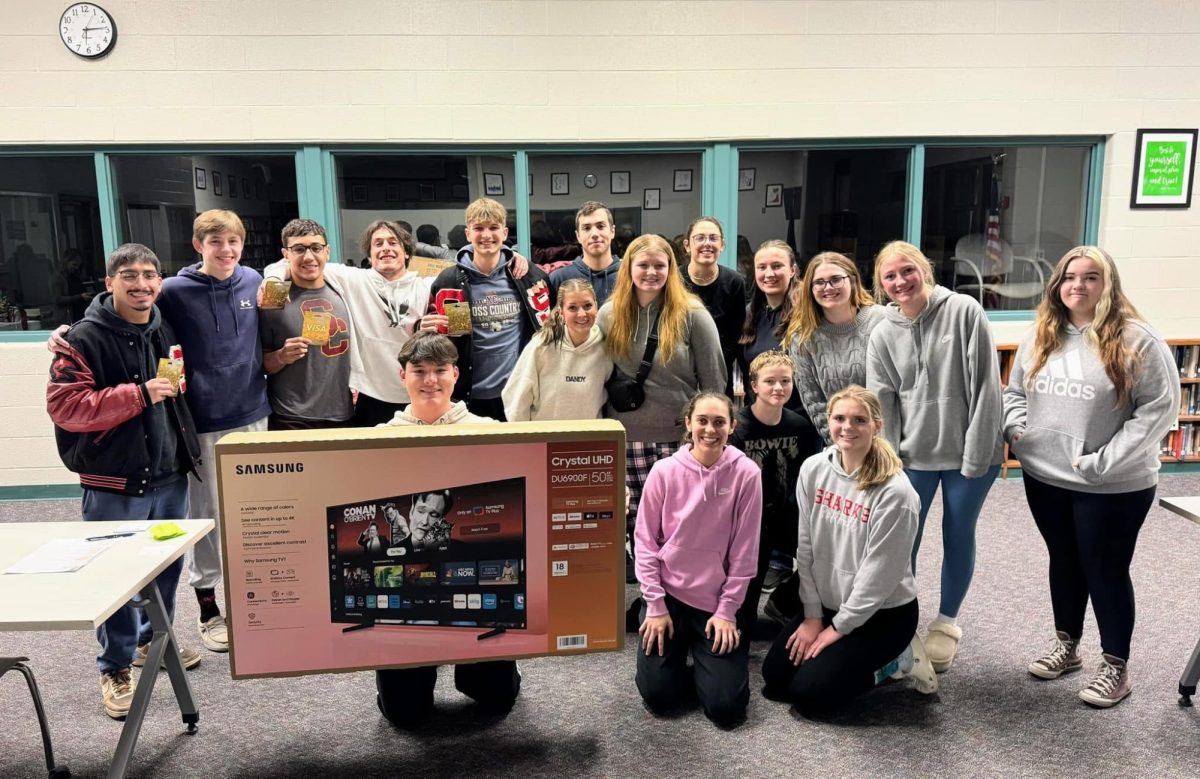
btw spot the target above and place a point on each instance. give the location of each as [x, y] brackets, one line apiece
[444, 557]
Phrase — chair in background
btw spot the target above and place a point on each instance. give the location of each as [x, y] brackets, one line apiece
[18, 664]
[971, 261]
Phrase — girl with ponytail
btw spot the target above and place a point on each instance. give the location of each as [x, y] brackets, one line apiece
[858, 519]
[561, 372]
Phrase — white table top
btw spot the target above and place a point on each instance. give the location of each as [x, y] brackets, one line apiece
[1188, 507]
[83, 599]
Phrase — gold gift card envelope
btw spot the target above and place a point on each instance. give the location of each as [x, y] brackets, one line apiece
[170, 370]
[316, 327]
[459, 315]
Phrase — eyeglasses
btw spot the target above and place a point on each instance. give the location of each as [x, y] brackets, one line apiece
[698, 238]
[833, 282]
[299, 249]
[133, 275]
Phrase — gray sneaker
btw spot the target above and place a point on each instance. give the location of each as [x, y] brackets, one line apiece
[1110, 685]
[117, 689]
[189, 656]
[1063, 658]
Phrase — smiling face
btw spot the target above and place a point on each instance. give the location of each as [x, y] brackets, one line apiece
[135, 287]
[219, 253]
[306, 256]
[704, 244]
[709, 426]
[773, 273]
[595, 233]
[487, 237]
[579, 312]
[831, 286]
[773, 385]
[649, 270]
[903, 283]
[388, 257]
[851, 428]
[1081, 289]
[429, 387]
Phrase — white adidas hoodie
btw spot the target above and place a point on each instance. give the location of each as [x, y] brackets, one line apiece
[558, 381]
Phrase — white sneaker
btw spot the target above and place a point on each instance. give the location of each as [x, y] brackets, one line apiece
[215, 634]
[116, 689]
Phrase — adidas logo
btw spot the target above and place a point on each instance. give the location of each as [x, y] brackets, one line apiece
[1063, 377]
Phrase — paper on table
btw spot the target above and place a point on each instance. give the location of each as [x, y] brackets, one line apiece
[61, 555]
[136, 527]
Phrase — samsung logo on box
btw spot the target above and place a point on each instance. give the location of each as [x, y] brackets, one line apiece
[255, 470]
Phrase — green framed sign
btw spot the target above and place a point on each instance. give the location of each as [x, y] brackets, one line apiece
[1163, 168]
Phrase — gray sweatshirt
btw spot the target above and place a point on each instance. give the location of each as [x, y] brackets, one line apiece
[1073, 432]
[832, 359]
[696, 365]
[938, 380]
[855, 545]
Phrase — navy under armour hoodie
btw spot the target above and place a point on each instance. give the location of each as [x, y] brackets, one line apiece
[216, 322]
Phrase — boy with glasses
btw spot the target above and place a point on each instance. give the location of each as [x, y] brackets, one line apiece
[128, 434]
[306, 344]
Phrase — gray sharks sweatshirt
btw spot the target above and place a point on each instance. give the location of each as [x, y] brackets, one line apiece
[855, 545]
[1073, 432]
[938, 380]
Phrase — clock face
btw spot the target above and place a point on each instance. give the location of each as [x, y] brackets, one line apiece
[87, 30]
[589, 180]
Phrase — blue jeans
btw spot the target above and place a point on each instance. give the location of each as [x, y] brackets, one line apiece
[128, 628]
[962, 500]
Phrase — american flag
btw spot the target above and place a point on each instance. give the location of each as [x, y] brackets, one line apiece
[993, 251]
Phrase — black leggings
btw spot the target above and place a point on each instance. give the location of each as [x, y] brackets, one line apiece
[845, 669]
[1091, 538]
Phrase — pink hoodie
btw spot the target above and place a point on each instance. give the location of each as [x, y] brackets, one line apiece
[697, 532]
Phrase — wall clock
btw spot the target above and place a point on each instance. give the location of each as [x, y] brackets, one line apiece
[87, 30]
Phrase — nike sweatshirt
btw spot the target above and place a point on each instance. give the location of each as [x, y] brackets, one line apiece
[558, 381]
[938, 380]
[1073, 432]
[697, 530]
[855, 546]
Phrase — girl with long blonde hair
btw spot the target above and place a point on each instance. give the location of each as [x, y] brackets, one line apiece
[932, 363]
[831, 321]
[1092, 392]
[858, 520]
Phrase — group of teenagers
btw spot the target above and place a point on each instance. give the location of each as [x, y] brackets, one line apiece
[855, 413]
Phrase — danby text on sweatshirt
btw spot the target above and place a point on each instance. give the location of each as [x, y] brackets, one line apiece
[855, 546]
[938, 381]
[1074, 433]
[558, 381]
[697, 532]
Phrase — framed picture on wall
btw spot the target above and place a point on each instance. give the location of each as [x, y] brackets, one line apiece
[358, 193]
[391, 193]
[493, 184]
[651, 199]
[1164, 165]
[560, 184]
[618, 182]
[424, 191]
[231, 186]
[216, 180]
[200, 179]
[745, 179]
[247, 190]
[774, 195]
[683, 181]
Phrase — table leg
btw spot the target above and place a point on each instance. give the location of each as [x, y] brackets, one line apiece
[1191, 675]
[162, 647]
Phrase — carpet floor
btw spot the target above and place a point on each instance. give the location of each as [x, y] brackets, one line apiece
[582, 717]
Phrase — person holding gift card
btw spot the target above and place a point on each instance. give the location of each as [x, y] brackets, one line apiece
[306, 344]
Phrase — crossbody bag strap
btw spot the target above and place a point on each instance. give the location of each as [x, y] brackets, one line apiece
[648, 358]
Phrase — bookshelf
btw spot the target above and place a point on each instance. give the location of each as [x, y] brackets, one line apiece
[1182, 443]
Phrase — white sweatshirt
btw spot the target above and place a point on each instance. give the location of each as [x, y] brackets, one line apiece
[560, 381]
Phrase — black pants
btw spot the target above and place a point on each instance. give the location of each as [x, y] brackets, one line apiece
[487, 407]
[371, 412]
[845, 669]
[280, 422]
[722, 682]
[1090, 538]
[406, 694]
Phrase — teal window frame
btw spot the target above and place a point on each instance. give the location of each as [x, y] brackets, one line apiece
[317, 193]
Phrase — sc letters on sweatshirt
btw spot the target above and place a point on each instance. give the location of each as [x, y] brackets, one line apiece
[838, 504]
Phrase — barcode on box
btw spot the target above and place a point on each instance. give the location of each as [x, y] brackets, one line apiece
[573, 642]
